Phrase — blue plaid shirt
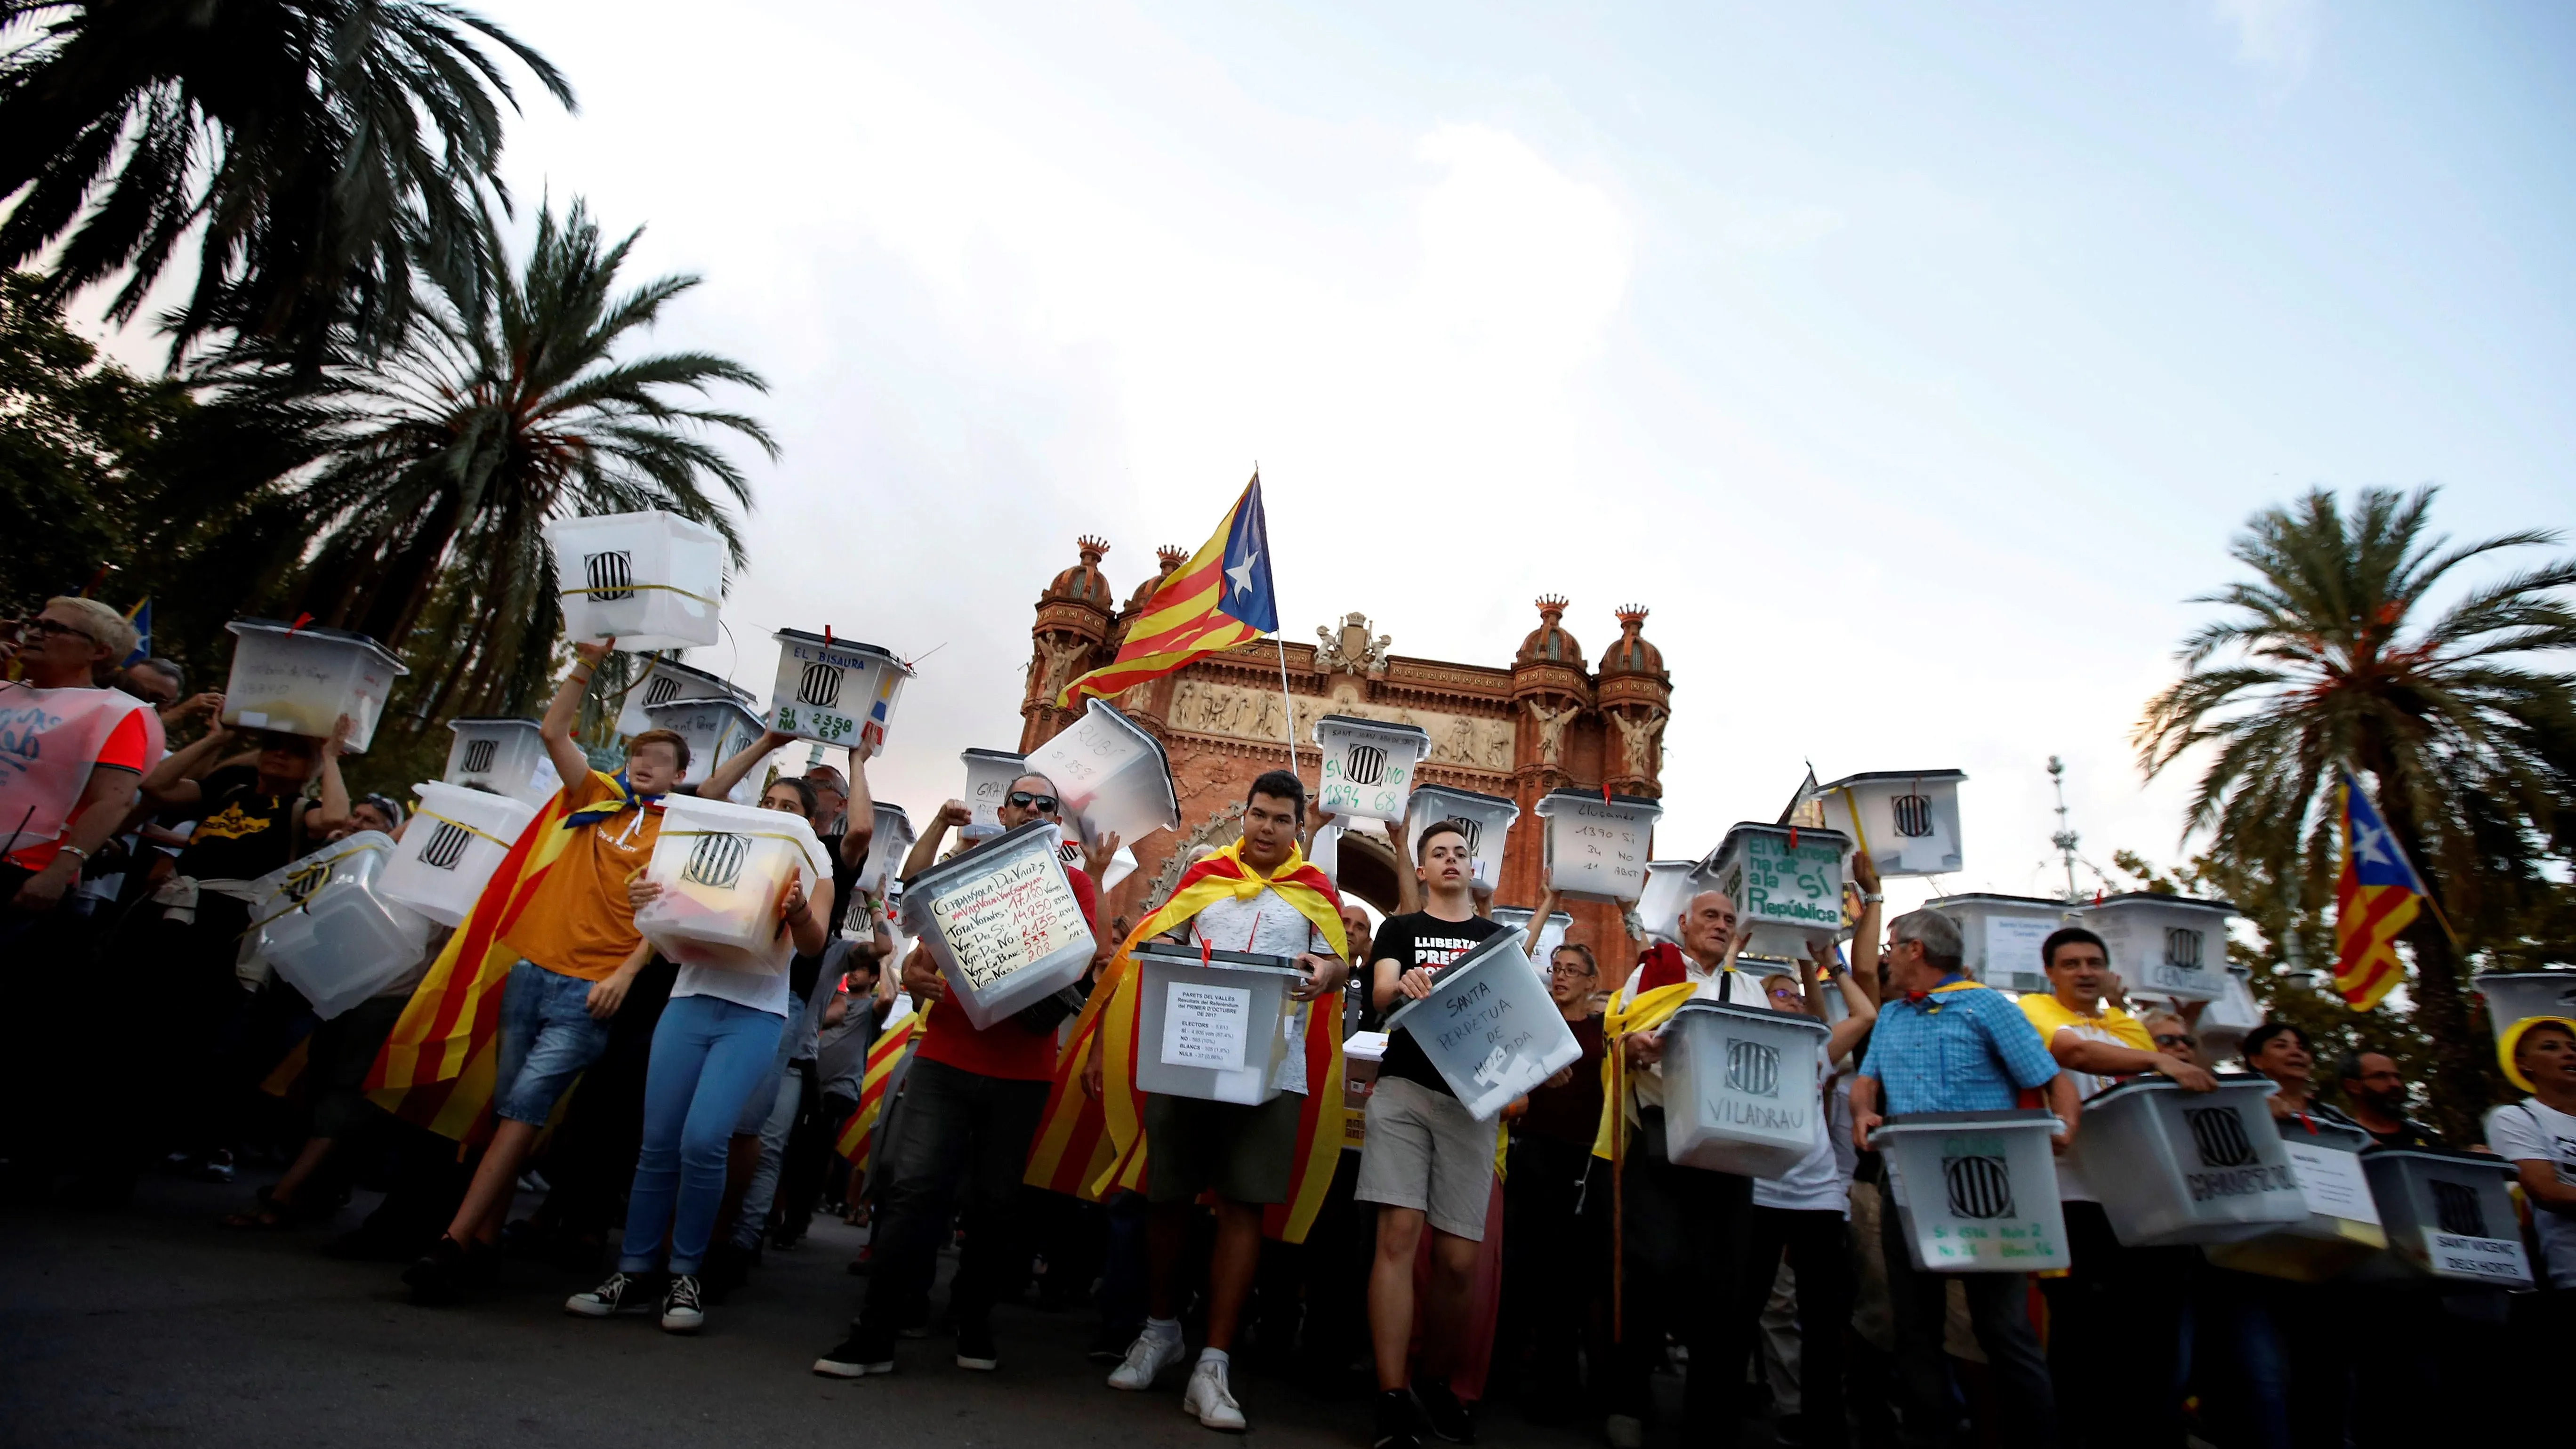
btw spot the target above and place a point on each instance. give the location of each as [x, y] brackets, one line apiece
[1967, 1050]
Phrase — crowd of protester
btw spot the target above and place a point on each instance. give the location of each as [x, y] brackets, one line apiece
[1555, 1258]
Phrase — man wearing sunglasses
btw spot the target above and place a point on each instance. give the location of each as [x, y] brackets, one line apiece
[971, 1102]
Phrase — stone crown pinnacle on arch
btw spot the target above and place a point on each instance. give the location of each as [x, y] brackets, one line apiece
[1549, 643]
[1630, 653]
[1084, 583]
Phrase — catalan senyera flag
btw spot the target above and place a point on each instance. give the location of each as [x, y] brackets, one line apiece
[436, 1069]
[2376, 897]
[1219, 599]
[1087, 1147]
[884, 1054]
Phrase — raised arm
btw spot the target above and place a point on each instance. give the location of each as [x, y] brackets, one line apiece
[925, 851]
[333, 810]
[1820, 977]
[719, 783]
[1408, 891]
[1538, 923]
[861, 813]
[564, 711]
[1864, 963]
[174, 780]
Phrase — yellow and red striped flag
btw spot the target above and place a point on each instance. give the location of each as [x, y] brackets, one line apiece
[884, 1054]
[1219, 599]
[2376, 897]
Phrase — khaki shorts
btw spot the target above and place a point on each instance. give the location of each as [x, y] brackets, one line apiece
[1426, 1153]
[1242, 1154]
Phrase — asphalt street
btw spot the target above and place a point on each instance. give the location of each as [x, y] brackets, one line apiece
[153, 1325]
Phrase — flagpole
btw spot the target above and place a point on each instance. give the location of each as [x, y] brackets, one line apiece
[1289, 701]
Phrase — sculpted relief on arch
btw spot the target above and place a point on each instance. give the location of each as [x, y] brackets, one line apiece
[1232, 711]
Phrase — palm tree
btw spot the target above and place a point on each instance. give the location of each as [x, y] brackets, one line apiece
[326, 148]
[508, 405]
[2335, 655]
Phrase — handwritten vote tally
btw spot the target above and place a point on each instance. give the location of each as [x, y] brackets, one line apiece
[1002, 922]
[1488, 1026]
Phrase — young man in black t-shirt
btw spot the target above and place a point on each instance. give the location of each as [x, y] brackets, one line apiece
[1426, 1158]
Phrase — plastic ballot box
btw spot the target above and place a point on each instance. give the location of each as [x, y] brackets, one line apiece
[1741, 1088]
[1208, 1022]
[1002, 921]
[2173, 1166]
[1976, 1192]
[1489, 1026]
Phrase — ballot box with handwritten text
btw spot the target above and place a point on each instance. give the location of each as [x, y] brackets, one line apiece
[1489, 1027]
[1208, 1022]
[1002, 922]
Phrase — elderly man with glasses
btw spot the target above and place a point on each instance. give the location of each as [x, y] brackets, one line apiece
[1945, 1043]
[971, 1102]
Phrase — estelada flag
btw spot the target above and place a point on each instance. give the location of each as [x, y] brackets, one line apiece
[2376, 897]
[1219, 599]
[1088, 1147]
[884, 1055]
[436, 1069]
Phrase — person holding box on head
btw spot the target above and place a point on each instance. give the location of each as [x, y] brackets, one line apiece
[1680, 1229]
[574, 931]
[1945, 1043]
[1269, 1165]
[1424, 1159]
[971, 1102]
[2113, 1319]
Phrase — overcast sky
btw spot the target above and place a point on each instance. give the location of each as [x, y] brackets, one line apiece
[1913, 364]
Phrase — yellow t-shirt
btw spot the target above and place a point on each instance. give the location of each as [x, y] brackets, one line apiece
[579, 923]
[2115, 1026]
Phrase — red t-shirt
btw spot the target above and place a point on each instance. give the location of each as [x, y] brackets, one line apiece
[133, 744]
[1005, 1049]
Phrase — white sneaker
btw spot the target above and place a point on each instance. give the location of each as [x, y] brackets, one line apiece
[1624, 1431]
[1146, 1359]
[1209, 1398]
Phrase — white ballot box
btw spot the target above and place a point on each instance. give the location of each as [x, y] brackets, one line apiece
[2449, 1220]
[503, 755]
[301, 681]
[1597, 846]
[2164, 945]
[716, 730]
[2341, 1228]
[454, 842]
[724, 869]
[1670, 884]
[2001, 936]
[1975, 1192]
[1110, 775]
[652, 580]
[888, 844]
[1488, 1026]
[838, 691]
[284, 892]
[1002, 922]
[1786, 882]
[989, 774]
[345, 945]
[1488, 819]
[1208, 1022]
[2173, 1167]
[665, 680]
[1551, 932]
[1740, 1088]
[1368, 766]
[2513, 996]
[1906, 820]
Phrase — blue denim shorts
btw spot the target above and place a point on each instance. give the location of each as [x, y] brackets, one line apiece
[547, 1038]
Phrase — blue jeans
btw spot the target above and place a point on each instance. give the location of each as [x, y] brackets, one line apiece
[709, 1054]
[547, 1038]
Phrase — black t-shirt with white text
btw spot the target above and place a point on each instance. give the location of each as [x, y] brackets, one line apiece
[1421, 939]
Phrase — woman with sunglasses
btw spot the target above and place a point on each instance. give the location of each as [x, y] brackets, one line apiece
[715, 1046]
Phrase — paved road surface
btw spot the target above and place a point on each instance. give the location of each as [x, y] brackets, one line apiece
[153, 1326]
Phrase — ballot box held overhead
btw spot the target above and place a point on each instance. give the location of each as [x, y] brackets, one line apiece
[1598, 843]
[1488, 1026]
[1208, 1022]
[650, 580]
[2342, 1226]
[1002, 921]
[2173, 1166]
[716, 729]
[838, 691]
[1551, 932]
[300, 680]
[1670, 884]
[1111, 775]
[2449, 1219]
[1786, 882]
[725, 870]
[1906, 821]
[2000, 936]
[989, 774]
[2513, 996]
[455, 840]
[2164, 945]
[507, 756]
[664, 680]
[1368, 766]
[1488, 819]
[1740, 1088]
[888, 843]
[1975, 1192]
